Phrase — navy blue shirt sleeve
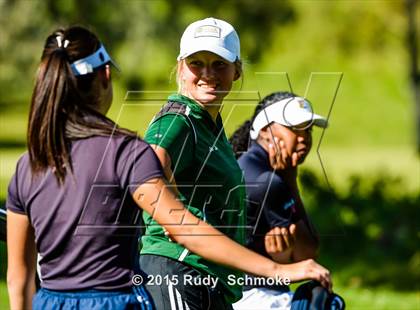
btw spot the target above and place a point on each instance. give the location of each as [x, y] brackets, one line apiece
[275, 200]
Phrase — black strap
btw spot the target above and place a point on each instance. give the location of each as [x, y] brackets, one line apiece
[176, 108]
[173, 107]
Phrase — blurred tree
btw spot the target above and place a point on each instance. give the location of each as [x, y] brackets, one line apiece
[142, 35]
[367, 230]
[413, 26]
[254, 20]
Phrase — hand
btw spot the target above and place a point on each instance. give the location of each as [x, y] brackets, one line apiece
[278, 241]
[279, 157]
[307, 270]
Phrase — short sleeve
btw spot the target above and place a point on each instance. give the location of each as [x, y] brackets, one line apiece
[136, 163]
[174, 134]
[275, 200]
[14, 202]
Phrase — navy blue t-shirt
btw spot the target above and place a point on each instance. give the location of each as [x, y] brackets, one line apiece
[269, 201]
[86, 230]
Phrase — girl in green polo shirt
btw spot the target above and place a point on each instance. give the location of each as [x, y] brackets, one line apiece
[189, 139]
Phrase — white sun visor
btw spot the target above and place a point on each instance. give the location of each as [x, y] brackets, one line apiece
[90, 63]
[288, 112]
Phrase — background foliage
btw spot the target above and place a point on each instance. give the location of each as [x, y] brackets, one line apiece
[348, 57]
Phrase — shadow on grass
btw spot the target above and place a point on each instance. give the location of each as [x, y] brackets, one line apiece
[12, 143]
[369, 231]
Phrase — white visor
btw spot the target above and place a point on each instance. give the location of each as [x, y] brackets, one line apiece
[90, 63]
[289, 112]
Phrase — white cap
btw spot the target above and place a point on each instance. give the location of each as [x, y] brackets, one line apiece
[290, 112]
[213, 35]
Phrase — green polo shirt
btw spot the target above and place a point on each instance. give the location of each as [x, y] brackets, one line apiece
[210, 182]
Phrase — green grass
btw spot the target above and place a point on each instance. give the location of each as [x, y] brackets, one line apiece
[342, 163]
[363, 298]
[377, 299]
[13, 126]
[4, 298]
[8, 160]
[383, 299]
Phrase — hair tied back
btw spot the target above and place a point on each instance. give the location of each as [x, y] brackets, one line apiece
[60, 42]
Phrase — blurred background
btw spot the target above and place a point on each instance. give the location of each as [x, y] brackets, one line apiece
[354, 60]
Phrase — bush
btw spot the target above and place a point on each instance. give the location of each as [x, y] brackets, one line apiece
[369, 232]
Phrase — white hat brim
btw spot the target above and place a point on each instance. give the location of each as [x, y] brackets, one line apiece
[302, 117]
[218, 50]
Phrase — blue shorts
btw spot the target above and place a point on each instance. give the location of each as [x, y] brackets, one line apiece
[134, 298]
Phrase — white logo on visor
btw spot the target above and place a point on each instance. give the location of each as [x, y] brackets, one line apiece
[303, 104]
[83, 68]
[207, 31]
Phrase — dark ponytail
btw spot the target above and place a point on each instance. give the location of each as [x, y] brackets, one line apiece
[240, 139]
[63, 106]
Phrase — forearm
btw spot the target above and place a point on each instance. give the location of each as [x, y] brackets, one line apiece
[200, 237]
[166, 162]
[21, 289]
[21, 252]
[203, 239]
[283, 257]
[307, 239]
[301, 213]
[211, 244]
[305, 246]
[308, 236]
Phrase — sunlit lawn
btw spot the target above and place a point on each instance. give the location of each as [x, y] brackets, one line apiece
[4, 300]
[340, 163]
[378, 299]
[8, 159]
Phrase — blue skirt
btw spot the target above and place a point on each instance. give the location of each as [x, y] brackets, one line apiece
[134, 298]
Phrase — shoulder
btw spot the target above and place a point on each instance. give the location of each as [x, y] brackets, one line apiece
[170, 129]
[271, 178]
[129, 144]
[18, 183]
[93, 147]
[23, 167]
[265, 183]
[271, 181]
[254, 166]
[169, 121]
[23, 160]
[247, 160]
[106, 152]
